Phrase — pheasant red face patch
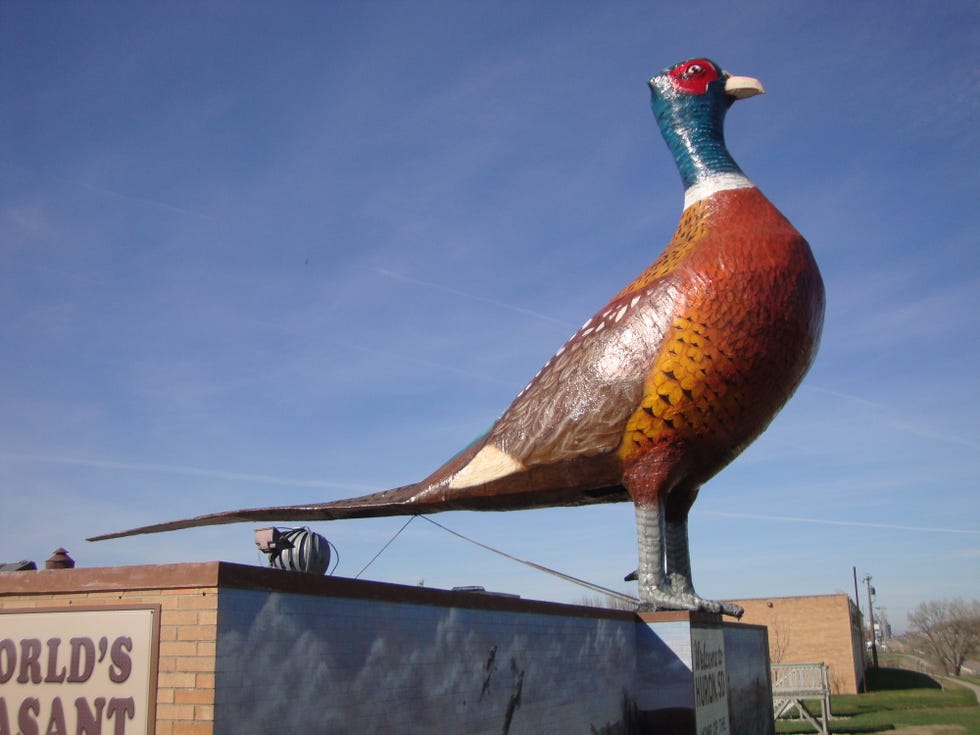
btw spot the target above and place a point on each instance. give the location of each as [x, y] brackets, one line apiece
[694, 76]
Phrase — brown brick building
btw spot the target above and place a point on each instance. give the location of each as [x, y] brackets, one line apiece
[813, 629]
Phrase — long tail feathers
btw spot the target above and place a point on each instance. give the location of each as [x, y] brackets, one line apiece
[388, 503]
[513, 492]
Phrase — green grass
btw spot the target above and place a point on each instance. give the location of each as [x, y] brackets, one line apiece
[897, 698]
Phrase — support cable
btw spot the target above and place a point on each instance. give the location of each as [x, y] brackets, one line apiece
[539, 567]
[381, 551]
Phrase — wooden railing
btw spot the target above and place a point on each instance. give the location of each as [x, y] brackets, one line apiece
[793, 685]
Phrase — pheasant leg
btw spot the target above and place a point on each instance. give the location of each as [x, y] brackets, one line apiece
[678, 566]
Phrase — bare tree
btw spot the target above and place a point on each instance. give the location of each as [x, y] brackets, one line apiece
[779, 635]
[947, 631]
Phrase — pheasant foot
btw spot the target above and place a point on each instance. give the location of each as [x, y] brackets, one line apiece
[681, 596]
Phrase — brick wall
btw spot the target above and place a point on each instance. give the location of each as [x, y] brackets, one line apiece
[188, 620]
[812, 629]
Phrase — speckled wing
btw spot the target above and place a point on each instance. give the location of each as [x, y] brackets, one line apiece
[579, 403]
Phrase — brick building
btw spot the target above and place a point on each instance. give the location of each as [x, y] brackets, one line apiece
[813, 629]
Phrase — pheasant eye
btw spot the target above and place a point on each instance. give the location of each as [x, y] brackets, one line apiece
[693, 77]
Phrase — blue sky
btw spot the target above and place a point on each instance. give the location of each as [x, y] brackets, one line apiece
[257, 254]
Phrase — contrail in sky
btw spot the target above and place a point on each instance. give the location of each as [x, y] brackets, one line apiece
[828, 522]
[905, 426]
[139, 200]
[473, 297]
[438, 366]
[118, 195]
[183, 470]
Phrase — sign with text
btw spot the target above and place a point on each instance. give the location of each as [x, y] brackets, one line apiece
[89, 670]
[710, 685]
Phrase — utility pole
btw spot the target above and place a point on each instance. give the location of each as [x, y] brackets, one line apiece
[871, 618]
[857, 599]
[857, 604]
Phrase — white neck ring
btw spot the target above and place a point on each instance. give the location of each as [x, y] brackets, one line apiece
[713, 184]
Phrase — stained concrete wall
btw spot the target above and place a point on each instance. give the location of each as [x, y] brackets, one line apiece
[749, 685]
[294, 663]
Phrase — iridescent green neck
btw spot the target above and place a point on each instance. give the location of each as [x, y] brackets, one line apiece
[693, 127]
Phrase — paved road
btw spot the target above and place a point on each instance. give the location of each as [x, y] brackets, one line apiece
[964, 683]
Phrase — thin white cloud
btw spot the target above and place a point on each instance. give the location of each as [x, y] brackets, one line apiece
[138, 200]
[830, 522]
[108, 464]
[845, 396]
[462, 294]
[926, 433]
[437, 365]
[915, 429]
[103, 191]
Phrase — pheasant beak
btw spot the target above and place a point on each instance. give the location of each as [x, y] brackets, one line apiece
[743, 87]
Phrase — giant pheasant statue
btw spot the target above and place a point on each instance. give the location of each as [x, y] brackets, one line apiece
[663, 386]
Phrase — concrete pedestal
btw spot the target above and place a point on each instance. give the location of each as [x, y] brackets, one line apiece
[221, 648]
[697, 675]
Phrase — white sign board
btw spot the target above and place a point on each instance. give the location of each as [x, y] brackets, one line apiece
[710, 685]
[90, 670]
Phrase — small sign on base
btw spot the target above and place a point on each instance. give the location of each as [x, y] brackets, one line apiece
[685, 674]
